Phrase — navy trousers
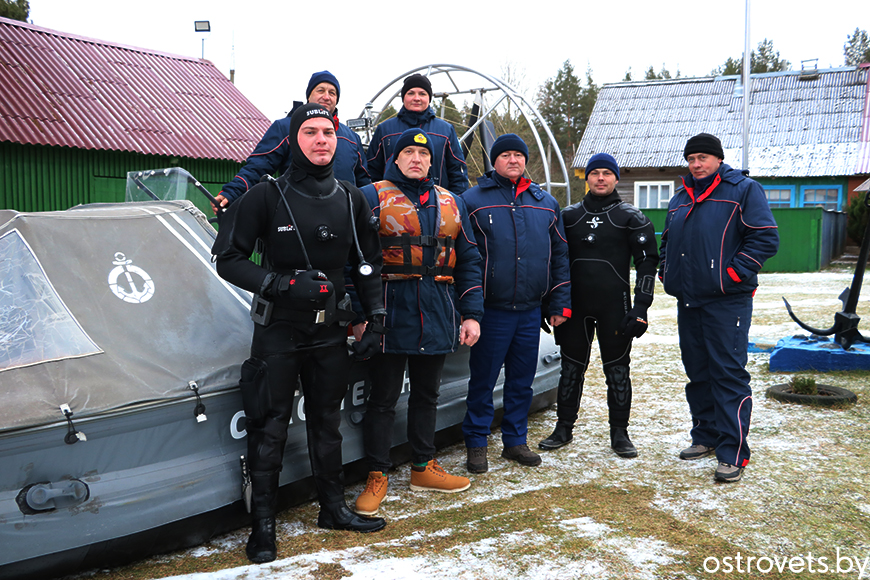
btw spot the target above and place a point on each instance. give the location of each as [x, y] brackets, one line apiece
[713, 343]
[511, 339]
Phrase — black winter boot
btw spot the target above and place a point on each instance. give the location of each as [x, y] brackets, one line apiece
[620, 443]
[561, 436]
[337, 516]
[261, 546]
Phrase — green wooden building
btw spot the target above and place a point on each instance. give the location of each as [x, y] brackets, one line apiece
[76, 114]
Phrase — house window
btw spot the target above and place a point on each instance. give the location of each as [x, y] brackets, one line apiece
[825, 196]
[653, 194]
[779, 197]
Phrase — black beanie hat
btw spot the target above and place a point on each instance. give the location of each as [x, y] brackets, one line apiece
[413, 137]
[704, 143]
[299, 159]
[417, 81]
[323, 76]
[602, 161]
[508, 142]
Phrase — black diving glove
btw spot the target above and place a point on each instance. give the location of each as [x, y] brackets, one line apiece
[369, 343]
[635, 322]
[308, 285]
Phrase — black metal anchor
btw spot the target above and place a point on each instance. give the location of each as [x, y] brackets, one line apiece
[846, 321]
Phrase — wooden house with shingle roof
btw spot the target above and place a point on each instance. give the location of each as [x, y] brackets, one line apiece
[809, 138]
[809, 146]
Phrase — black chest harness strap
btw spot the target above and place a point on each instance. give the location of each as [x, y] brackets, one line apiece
[405, 241]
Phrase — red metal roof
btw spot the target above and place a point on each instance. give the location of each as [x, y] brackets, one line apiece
[61, 89]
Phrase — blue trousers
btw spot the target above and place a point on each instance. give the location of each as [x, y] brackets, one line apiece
[713, 343]
[511, 339]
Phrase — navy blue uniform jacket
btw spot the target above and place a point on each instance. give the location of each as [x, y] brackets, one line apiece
[521, 239]
[715, 242]
[272, 156]
[448, 164]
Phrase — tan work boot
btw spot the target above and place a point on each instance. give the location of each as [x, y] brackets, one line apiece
[434, 478]
[369, 500]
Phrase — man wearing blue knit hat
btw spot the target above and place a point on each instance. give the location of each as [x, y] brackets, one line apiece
[519, 234]
[604, 234]
[272, 154]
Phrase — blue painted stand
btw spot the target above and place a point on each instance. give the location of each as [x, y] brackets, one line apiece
[819, 353]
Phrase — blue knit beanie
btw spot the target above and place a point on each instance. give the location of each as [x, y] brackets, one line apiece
[602, 161]
[416, 137]
[508, 142]
[323, 76]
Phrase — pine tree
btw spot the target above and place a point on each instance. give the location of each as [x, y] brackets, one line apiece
[857, 48]
[15, 9]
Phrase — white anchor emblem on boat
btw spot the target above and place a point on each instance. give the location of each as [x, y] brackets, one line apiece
[130, 292]
[594, 221]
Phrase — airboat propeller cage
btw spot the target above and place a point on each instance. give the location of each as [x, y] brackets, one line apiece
[455, 75]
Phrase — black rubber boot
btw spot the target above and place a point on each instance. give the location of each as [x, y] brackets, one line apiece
[337, 516]
[620, 443]
[561, 436]
[261, 545]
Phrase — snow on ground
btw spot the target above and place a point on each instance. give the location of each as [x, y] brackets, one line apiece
[805, 490]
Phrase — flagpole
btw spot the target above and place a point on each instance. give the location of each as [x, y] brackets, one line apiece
[747, 58]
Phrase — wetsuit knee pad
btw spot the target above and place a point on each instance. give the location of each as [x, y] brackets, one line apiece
[618, 385]
[269, 452]
[254, 385]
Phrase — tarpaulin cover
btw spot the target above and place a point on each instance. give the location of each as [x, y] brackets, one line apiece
[109, 305]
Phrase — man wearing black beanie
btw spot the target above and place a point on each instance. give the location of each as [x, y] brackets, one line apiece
[519, 234]
[300, 288]
[718, 233]
[604, 235]
[448, 163]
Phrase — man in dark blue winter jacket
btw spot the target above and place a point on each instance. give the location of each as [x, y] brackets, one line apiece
[272, 154]
[525, 261]
[434, 302]
[448, 163]
[718, 233]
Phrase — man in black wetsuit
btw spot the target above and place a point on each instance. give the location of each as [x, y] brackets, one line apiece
[604, 234]
[307, 222]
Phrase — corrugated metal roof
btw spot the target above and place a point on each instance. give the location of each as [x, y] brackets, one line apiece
[61, 89]
[800, 126]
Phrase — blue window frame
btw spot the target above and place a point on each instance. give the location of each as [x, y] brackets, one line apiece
[825, 196]
[780, 196]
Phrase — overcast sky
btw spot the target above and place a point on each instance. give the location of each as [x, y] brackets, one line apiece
[274, 46]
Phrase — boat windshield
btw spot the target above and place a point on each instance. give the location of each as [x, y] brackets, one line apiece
[35, 324]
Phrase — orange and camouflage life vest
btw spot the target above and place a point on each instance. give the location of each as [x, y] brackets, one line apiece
[402, 240]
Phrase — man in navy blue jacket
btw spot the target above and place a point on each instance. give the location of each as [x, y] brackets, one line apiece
[718, 233]
[448, 163]
[522, 242]
[434, 302]
[272, 154]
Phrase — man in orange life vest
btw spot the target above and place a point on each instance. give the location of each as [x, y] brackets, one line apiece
[434, 302]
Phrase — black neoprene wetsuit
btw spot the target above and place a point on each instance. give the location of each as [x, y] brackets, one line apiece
[604, 234]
